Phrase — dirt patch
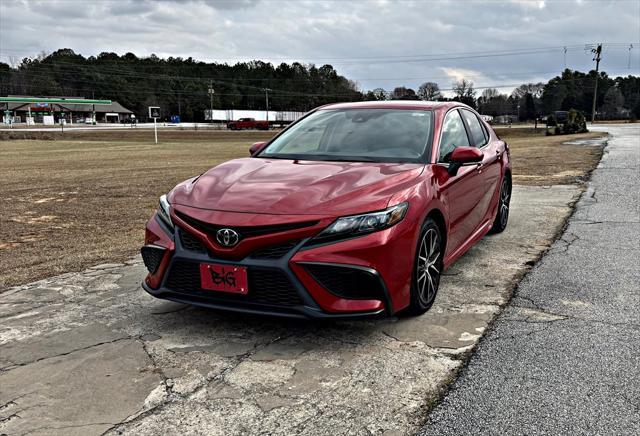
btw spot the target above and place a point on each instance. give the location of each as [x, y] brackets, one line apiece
[83, 199]
[143, 135]
[68, 204]
[548, 160]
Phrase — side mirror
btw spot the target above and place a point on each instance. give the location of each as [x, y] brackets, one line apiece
[464, 156]
[256, 148]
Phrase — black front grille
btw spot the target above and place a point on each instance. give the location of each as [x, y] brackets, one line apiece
[190, 242]
[266, 286]
[244, 232]
[274, 251]
[152, 256]
[347, 282]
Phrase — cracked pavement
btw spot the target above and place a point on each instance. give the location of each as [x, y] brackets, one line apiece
[563, 356]
[91, 353]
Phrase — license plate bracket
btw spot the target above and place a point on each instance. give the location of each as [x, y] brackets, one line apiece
[224, 278]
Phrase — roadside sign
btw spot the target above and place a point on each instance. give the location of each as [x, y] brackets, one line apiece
[154, 112]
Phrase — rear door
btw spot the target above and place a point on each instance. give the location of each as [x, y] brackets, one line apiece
[490, 170]
[462, 191]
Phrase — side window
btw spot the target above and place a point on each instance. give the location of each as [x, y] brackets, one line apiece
[475, 129]
[453, 135]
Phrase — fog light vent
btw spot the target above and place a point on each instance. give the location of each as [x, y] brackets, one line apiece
[347, 282]
[152, 256]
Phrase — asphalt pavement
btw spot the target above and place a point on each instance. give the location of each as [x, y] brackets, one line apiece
[564, 356]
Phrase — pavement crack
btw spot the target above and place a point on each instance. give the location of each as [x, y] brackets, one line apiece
[66, 353]
[390, 336]
[90, 424]
[173, 397]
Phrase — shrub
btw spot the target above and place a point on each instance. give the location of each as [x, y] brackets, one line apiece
[551, 121]
[576, 123]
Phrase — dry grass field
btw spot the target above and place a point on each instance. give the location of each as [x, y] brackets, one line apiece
[74, 200]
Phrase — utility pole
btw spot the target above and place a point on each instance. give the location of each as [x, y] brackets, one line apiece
[266, 96]
[211, 91]
[93, 109]
[596, 51]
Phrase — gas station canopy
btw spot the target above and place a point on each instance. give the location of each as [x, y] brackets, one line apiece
[52, 100]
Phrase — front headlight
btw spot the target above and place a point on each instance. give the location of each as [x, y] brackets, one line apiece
[163, 211]
[357, 225]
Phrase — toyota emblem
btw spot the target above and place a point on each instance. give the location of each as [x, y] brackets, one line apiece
[227, 237]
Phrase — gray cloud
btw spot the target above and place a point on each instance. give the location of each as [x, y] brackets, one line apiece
[374, 42]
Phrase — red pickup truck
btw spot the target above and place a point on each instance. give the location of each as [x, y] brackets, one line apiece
[248, 123]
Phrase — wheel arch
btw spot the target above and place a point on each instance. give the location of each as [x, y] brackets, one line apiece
[507, 173]
[437, 216]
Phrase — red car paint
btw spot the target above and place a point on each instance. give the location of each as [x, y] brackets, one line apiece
[255, 191]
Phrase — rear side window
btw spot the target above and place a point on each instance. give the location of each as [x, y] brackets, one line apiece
[475, 129]
[453, 135]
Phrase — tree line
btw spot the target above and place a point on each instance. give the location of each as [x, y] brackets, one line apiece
[618, 98]
[187, 87]
[179, 86]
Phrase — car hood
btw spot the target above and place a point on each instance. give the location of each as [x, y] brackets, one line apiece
[295, 187]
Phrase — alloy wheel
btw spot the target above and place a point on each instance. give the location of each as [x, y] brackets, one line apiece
[505, 197]
[428, 266]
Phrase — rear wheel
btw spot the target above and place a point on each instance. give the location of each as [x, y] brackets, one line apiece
[502, 216]
[427, 268]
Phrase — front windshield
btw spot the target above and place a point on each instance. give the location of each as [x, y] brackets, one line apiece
[360, 135]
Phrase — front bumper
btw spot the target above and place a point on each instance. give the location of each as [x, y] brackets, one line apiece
[296, 281]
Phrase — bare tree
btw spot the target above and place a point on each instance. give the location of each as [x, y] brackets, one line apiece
[489, 93]
[403, 93]
[463, 89]
[380, 94]
[14, 62]
[429, 91]
[535, 89]
[464, 92]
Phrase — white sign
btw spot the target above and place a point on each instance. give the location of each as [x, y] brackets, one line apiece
[154, 112]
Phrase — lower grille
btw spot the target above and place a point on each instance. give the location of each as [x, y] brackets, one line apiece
[347, 282]
[152, 257]
[266, 286]
[190, 242]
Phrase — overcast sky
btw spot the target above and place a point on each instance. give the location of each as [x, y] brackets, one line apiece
[377, 43]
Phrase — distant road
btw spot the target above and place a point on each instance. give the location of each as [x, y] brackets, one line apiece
[81, 127]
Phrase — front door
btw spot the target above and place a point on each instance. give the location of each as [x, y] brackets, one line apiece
[463, 191]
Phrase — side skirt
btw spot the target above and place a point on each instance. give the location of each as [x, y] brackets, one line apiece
[475, 237]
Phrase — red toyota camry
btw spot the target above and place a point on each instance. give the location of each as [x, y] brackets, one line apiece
[354, 210]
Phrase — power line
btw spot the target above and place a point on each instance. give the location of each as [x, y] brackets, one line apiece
[413, 57]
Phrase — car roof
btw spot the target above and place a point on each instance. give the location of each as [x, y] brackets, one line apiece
[396, 104]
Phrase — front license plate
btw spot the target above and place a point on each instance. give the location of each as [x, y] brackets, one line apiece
[224, 278]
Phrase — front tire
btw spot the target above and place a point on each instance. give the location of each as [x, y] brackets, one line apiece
[427, 268]
[502, 216]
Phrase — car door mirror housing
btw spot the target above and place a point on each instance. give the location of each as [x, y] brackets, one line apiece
[256, 148]
[464, 156]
